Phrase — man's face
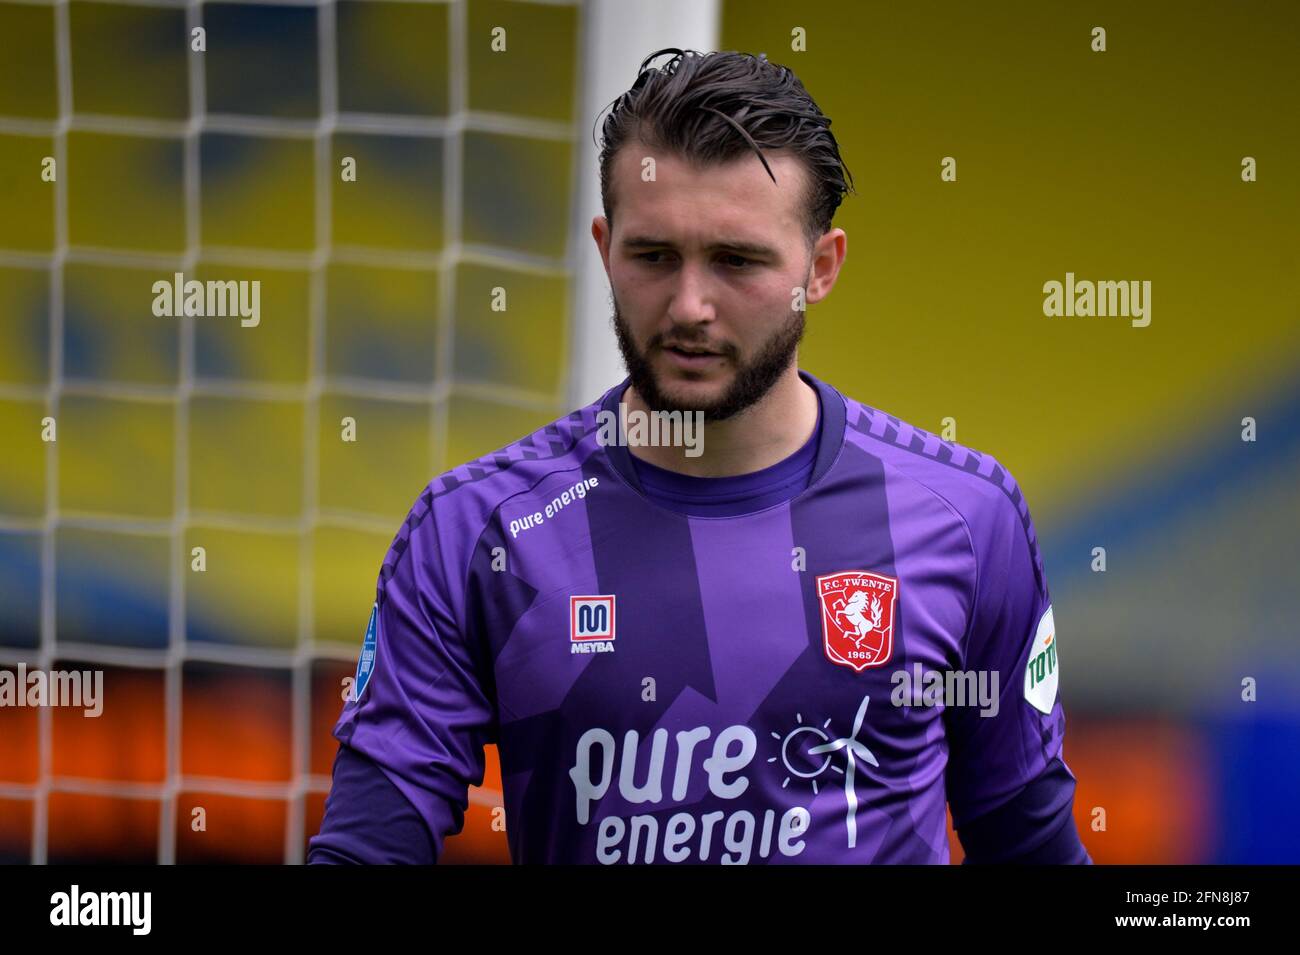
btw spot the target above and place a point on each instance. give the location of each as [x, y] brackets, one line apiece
[702, 265]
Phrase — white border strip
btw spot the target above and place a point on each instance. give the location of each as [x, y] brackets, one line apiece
[616, 36]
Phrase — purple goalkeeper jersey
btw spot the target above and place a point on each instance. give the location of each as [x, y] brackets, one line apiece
[760, 687]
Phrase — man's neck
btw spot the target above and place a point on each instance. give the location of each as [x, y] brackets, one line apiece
[763, 434]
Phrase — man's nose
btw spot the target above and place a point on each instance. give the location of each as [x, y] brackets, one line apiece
[692, 299]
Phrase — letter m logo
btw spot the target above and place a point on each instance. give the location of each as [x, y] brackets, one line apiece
[591, 618]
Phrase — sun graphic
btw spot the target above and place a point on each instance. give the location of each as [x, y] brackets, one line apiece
[795, 752]
[802, 745]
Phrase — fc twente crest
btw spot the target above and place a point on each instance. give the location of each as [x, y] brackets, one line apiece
[857, 617]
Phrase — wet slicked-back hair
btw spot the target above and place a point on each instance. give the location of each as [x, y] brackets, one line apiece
[711, 108]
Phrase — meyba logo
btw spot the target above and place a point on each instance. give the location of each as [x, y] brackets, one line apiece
[1041, 671]
[591, 624]
[366, 663]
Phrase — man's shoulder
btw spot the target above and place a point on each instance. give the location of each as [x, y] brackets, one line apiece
[463, 498]
[444, 524]
[974, 483]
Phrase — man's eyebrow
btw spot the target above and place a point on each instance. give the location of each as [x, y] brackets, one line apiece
[749, 248]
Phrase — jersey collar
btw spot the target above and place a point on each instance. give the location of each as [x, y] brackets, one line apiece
[831, 437]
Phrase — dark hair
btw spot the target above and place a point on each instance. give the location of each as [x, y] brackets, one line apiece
[710, 108]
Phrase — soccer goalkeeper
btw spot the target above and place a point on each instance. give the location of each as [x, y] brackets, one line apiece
[714, 648]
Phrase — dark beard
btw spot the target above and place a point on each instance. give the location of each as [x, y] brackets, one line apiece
[752, 381]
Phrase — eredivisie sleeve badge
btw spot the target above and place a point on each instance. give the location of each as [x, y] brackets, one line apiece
[857, 617]
[366, 662]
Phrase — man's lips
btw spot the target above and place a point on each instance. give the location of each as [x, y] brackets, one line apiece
[689, 360]
[691, 350]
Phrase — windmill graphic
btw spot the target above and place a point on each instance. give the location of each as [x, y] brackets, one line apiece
[853, 749]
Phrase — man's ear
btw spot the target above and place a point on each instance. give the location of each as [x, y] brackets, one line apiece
[600, 232]
[828, 254]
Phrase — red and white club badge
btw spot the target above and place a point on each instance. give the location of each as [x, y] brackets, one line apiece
[857, 617]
